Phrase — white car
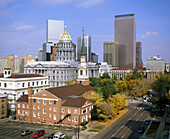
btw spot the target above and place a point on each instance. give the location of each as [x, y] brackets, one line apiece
[58, 135]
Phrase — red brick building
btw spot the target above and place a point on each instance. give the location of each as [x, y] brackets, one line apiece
[56, 105]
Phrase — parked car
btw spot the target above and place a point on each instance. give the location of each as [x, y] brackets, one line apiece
[38, 133]
[141, 129]
[51, 136]
[147, 122]
[25, 132]
[59, 135]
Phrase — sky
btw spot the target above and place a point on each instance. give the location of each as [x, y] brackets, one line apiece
[23, 24]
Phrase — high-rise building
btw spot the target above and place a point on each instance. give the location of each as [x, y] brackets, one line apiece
[87, 43]
[3, 63]
[94, 57]
[138, 55]
[54, 30]
[111, 53]
[125, 35]
[155, 64]
[15, 63]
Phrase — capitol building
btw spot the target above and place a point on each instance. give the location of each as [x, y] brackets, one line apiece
[63, 65]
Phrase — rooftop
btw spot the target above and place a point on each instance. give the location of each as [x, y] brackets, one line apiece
[74, 102]
[24, 98]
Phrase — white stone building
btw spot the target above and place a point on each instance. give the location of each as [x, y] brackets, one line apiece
[104, 68]
[59, 72]
[15, 85]
[155, 64]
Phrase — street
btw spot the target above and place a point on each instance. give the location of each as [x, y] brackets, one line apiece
[126, 126]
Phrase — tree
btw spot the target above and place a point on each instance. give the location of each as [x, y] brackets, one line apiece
[70, 82]
[121, 86]
[105, 76]
[95, 81]
[161, 86]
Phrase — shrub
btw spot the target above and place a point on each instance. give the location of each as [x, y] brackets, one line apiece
[84, 123]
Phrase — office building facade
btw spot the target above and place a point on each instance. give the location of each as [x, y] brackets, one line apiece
[138, 55]
[87, 42]
[125, 35]
[111, 53]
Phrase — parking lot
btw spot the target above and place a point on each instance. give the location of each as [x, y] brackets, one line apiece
[12, 130]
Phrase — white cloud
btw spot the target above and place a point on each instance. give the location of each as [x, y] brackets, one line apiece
[78, 3]
[147, 34]
[20, 26]
[89, 3]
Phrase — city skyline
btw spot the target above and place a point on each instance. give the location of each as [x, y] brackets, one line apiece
[23, 24]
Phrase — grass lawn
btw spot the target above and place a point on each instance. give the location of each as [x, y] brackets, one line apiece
[92, 130]
[99, 127]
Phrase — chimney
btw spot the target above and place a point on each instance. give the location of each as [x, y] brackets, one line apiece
[7, 72]
[30, 92]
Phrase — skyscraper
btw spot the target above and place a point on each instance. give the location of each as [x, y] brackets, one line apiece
[138, 54]
[87, 43]
[54, 30]
[125, 35]
[111, 53]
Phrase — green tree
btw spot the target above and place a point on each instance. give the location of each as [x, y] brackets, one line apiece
[121, 86]
[161, 86]
[105, 76]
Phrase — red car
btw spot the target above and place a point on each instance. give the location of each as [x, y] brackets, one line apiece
[38, 133]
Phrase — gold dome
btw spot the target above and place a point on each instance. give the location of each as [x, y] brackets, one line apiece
[65, 36]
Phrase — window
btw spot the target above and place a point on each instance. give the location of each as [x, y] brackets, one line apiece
[81, 72]
[75, 111]
[45, 82]
[62, 117]
[23, 105]
[5, 72]
[38, 100]
[50, 102]
[18, 105]
[34, 114]
[41, 82]
[86, 72]
[23, 84]
[50, 108]
[44, 102]
[27, 106]
[8, 72]
[69, 110]
[18, 111]
[37, 83]
[54, 109]
[50, 115]
[5, 84]
[32, 83]
[38, 107]
[54, 102]
[54, 117]
[23, 112]
[83, 111]
[69, 118]
[44, 111]
[75, 119]
[34, 100]
[34, 107]
[38, 114]
[62, 110]
[28, 83]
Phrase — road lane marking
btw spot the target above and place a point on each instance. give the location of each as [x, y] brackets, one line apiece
[122, 136]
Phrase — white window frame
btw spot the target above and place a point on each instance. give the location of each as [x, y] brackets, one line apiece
[38, 114]
[50, 101]
[69, 110]
[38, 107]
[18, 111]
[50, 115]
[38, 101]
[50, 109]
[23, 105]
[44, 111]
[75, 119]
[23, 112]
[34, 107]
[69, 118]
[75, 112]
[62, 116]
[34, 114]
[19, 105]
[44, 102]
[54, 109]
[55, 117]
[62, 110]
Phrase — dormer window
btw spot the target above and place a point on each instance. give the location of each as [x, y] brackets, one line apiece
[5, 72]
